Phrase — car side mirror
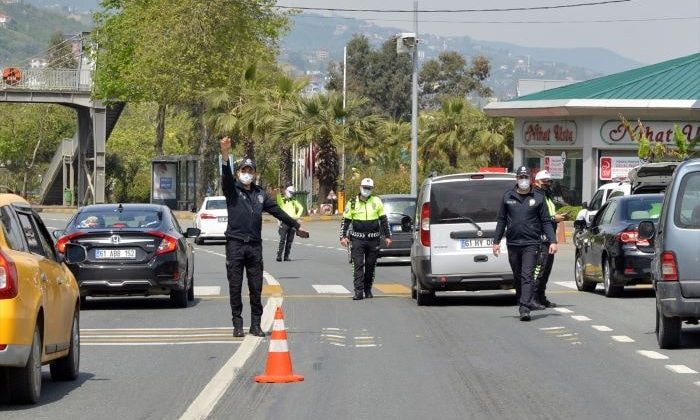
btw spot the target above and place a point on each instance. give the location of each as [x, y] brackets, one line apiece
[580, 224]
[58, 233]
[584, 205]
[192, 232]
[646, 230]
[74, 253]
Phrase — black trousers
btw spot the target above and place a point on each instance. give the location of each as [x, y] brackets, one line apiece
[239, 256]
[364, 258]
[522, 261]
[286, 239]
[545, 261]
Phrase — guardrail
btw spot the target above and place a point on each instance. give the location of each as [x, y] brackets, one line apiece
[15, 78]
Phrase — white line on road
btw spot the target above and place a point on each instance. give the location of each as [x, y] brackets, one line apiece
[207, 290]
[622, 339]
[330, 289]
[652, 354]
[158, 343]
[552, 328]
[580, 317]
[567, 335]
[567, 284]
[697, 383]
[680, 369]
[564, 310]
[602, 328]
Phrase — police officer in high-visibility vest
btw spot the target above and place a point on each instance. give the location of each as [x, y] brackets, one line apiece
[294, 209]
[365, 212]
[545, 260]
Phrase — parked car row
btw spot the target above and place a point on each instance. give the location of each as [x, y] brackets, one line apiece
[651, 236]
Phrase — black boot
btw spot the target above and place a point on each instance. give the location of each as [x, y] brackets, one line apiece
[368, 293]
[358, 296]
[238, 330]
[255, 328]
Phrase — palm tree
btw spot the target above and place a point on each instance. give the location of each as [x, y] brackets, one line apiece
[322, 120]
[450, 130]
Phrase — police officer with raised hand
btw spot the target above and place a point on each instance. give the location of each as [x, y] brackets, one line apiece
[524, 218]
[294, 209]
[365, 213]
[245, 203]
[545, 260]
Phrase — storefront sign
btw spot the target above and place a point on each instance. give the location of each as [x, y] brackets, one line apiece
[555, 166]
[616, 167]
[549, 133]
[614, 132]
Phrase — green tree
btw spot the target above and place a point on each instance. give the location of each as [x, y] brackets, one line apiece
[450, 130]
[60, 52]
[450, 76]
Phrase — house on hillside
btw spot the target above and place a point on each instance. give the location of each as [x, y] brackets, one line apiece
[4, 20]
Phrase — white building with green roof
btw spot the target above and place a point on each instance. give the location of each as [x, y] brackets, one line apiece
[576, 132]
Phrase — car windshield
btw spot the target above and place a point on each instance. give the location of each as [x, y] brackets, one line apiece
[642, 208]
[406, 207]
[467, 201]
[218, 204]
[114, 219]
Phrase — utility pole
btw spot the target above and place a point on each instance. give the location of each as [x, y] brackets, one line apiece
[342, 160]
[414, 107]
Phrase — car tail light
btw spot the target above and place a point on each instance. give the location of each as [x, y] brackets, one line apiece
[3, 347]
[207, 216]
[168, 243]
[9, 287]
[631, 236]
[425, 224]
[669, 268]
[63, 240]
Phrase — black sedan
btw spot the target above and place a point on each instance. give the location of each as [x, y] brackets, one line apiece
[610, 251]
[132, 249]
[400, 210]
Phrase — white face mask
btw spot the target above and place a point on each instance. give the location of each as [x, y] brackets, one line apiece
[365, 192]
[245, 178]
[523, 184]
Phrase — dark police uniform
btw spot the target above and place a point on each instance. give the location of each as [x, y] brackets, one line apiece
[244, 242]
[526, 218]
[545, 260]
[369, 223]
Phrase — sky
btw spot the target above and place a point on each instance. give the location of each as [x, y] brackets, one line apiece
[659, 30]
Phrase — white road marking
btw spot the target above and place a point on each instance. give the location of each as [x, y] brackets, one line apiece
[158, 343]
[567, 284]
[564, 310]
[622, 339]
[365, 345]
[552, 328]
[602, 328]
[330, 288]
[697, 383]
[680, 369]
[207, 290]
[567, 335]
[269, 279]
[580, 317]
[652, 354]
[207, 399]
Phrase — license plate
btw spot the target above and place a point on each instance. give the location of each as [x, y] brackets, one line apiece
[396, 228]
[115, 254]
[223, 219]
[476, 243]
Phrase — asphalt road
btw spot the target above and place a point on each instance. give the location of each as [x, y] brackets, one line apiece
[466, 357]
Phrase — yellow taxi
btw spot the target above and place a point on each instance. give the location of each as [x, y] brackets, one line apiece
[39, 304]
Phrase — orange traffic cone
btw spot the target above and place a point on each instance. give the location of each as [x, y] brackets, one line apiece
[279, 362]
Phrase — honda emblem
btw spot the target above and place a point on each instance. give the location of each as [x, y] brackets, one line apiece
[115, 239]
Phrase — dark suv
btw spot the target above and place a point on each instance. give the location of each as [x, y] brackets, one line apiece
[676, 267]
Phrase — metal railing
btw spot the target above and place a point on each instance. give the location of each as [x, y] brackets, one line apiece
[50, 80]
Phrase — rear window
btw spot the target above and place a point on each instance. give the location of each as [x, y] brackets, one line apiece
[688, 202]
[216, 204]
[452, 202]
[642, 208]
[406, 207]
[113, 219]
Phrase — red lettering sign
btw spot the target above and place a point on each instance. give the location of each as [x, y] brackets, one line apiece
[605, 168]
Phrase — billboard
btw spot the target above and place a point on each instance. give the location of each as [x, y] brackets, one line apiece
[164, 180]
[616, 167]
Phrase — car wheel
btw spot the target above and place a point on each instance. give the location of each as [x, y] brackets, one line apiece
[611, 290]
[668, 330]
[582, 284]
[25, 382]
[424, 297]
[190, 290]
[413, 285]
[179, 298]
[67, 368]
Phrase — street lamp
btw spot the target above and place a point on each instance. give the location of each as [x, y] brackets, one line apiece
[407, 42]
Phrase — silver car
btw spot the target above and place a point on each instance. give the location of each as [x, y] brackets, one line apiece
[453, 235]
[676, 264]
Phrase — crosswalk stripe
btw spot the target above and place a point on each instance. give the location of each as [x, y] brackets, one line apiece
[330, 288]
[157, 336]
[567, 284]
[207, 290]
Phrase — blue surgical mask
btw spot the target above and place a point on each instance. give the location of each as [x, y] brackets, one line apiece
[245, 178]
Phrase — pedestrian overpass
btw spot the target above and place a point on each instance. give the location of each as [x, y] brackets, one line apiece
[79, 163]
